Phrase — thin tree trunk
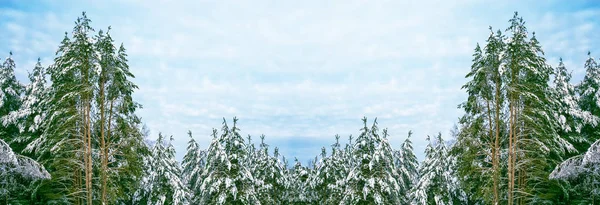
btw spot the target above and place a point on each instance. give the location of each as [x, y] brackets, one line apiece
[494, 162]
[497, 144]
[108, 134]
[88, 155]
[521, 169]
[83, 170]
[104, 158]
[510, 155]
[516, 151]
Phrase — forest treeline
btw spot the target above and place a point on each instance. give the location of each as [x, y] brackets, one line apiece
[527, 136]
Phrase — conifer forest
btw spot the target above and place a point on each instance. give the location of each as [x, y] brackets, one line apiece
[527, 135]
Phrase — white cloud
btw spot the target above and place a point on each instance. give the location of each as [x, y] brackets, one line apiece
[301, 70]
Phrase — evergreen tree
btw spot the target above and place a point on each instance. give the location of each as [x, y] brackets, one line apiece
[193, 164]
[570, 118]
[437, 183]
[589, 92]
[226, 180]
[28, 117]
[298, 191]
[374, 178]
[328, 183]
[407, 165]
[483, 121]
[534, 144]
[88, 125]
[63, 142]
[268, 174]
[10, 99]
[163, 184]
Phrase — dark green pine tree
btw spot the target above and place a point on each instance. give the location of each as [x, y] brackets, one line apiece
[534, 144]
[66, 138]
[482, 127]
[124, 140]
[10, 100]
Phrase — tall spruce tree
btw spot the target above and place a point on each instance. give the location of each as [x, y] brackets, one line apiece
[65, 145]
[10, 99]
[482, 124]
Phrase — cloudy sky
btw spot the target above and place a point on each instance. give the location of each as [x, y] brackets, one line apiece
[299, 71]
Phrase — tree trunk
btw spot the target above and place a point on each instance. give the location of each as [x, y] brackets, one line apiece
[510, 155]
[89, 156]
[496, 165]
[493, 153]
[104, 158]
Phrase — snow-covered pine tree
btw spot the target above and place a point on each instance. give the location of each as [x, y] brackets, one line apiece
[407, 166]
[126, 164]
[570, 118]
[268, 174]
[534, 144]
[251, 157]
[470, 146]
[193, 164]
[437, 183]
[482, 125]
[226, 179]
[455, 194]
[216, 167]
[374, 178]
[144, 185]
[124, 140]
[10, 99]
[589, 100]
[298, 192]
[28, 117]
[164, 184]
[421, 194]
[328, 182]
[66, 135]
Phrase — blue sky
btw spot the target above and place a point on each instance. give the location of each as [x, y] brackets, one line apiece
[299, 72]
